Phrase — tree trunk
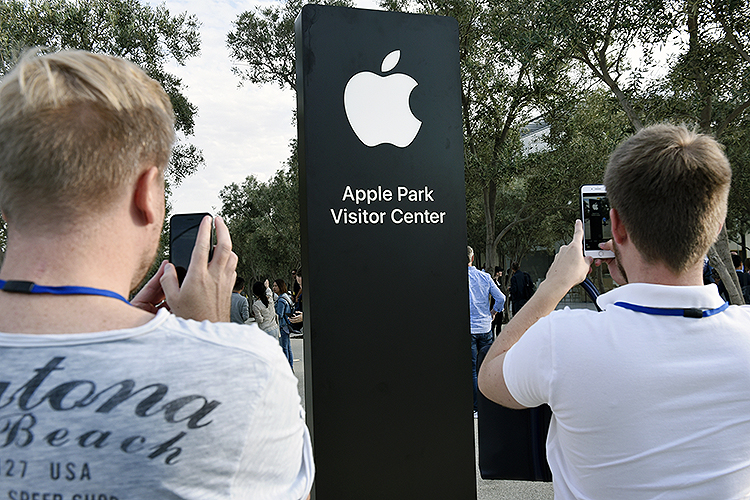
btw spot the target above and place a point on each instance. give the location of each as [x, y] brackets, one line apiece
[489, 196]
[721, 260]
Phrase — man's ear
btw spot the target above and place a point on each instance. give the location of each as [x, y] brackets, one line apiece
[619, 233]
[149, 196]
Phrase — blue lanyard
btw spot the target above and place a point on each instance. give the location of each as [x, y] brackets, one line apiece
[687, 313]
[30, 287]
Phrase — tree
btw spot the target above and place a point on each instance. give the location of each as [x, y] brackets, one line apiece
[148, 36]
[706, 82]
[601, 35]
[263, 219]
[262, 43]
[508, 70]
[539, 206]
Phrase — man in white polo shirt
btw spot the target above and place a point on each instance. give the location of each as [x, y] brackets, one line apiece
[651, 397]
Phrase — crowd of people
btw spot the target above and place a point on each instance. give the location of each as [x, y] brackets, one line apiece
[274, 309]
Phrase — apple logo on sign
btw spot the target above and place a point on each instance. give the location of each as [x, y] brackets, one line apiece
[378, 106]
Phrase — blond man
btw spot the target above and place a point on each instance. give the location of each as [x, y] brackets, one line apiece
[651, 397]
[99, 395]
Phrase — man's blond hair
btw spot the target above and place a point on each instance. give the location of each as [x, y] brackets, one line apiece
[75, 127]
[669, 186]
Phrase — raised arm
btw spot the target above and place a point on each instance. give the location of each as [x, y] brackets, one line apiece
[569, 268]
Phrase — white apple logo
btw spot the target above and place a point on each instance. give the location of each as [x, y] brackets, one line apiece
[378, 106]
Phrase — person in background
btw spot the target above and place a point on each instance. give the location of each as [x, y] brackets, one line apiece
[265, 315]
[481, 288]
[240, 310]
[519, 285]
[742, 277]
[283, 310]
[497, 319]
[296, 319]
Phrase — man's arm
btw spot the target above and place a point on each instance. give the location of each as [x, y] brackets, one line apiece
[569, 268]
[498, 296]
[244, 310]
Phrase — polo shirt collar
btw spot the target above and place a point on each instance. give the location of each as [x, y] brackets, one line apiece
[663, 296]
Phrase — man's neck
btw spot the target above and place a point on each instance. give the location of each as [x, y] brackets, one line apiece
[87, 260]
[66, 261]
[659, 274]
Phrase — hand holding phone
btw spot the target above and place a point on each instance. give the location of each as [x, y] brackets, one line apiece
[206, 291]
[596, 224]
[296, 317]
[183, 231]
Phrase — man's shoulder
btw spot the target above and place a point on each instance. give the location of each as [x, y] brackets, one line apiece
[228, 337]
[479, 274]
[577, 316]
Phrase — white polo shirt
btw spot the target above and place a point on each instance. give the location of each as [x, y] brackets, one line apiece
[645, 406]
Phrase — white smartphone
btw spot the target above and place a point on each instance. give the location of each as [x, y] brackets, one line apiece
[596, 224]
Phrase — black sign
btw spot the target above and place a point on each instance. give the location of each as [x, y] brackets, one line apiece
[383, 212]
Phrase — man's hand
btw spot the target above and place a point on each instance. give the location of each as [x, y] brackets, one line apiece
[570, 266]
[297, 318]
[151, 297]
[206, 292]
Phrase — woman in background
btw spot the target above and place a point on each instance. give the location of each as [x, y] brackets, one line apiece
[284, 307]
[296, 320]
[265, 315]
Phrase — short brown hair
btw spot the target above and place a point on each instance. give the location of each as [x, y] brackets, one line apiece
[74, 128]
[669, 186]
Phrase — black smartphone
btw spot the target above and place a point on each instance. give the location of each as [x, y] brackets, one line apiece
[183, 231]
[596, 224]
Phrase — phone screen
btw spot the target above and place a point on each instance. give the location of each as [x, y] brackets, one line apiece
[183, 231]
[596, 224]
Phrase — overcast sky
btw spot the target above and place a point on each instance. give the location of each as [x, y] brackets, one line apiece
[241, 130]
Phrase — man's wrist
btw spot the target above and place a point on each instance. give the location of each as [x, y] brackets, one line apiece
[554, 289]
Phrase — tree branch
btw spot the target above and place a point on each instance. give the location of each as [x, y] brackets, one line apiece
[730, 37]
[518, 220]
[734, 114]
